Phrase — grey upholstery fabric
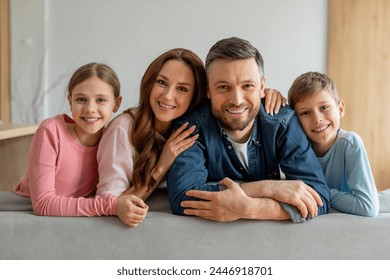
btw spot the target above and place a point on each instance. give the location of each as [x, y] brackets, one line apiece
[384, 201]
[162, 235]
[12, 202]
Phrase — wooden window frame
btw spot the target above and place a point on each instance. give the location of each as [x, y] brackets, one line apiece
[5, 112]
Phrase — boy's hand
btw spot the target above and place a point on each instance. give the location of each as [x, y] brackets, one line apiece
[273, 101]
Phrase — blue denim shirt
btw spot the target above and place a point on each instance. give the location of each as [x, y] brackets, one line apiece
[276, 141]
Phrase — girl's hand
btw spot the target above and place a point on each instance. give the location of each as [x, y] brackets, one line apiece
[273, 100]
[131, 210]
[178, 142]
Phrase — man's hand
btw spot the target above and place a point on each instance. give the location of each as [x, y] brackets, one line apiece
[131, 210]
[296, 193]
[223, 206]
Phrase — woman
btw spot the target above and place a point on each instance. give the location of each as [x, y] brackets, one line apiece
[137, 148]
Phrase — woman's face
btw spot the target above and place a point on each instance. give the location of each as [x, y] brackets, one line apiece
[171, 93]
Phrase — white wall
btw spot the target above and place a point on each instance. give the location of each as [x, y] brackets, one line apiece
[129, 34]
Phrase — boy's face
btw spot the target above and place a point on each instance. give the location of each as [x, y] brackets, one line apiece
[320, 116]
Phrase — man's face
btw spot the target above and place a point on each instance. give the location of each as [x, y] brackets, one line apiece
[235, 89]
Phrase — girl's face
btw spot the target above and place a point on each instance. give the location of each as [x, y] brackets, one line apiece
[320, 116]
[92, 103]
[171, 93]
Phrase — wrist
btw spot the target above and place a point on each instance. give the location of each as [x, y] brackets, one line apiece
[252, 208]
[258, 189]
[115, 206]
[158, 173]
[265, 209]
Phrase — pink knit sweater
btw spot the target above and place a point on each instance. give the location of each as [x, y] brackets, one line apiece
[62, 174]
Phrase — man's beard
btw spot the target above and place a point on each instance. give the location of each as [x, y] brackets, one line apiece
[233, 124]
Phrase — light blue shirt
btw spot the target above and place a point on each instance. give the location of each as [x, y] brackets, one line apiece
[349, 177]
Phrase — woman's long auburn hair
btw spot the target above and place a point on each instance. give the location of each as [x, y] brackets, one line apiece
[142, 133]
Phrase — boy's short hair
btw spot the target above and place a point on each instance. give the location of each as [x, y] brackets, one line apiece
[310, 83]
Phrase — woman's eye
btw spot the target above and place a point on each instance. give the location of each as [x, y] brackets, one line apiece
[183, 89]
[161, 82]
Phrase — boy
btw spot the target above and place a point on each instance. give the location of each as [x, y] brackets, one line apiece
[341, 153]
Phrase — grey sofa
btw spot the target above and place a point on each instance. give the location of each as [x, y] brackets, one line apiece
[163, 235]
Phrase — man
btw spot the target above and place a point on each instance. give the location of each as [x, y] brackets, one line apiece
[239, 140]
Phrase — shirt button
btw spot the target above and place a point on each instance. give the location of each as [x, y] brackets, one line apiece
[229, 147]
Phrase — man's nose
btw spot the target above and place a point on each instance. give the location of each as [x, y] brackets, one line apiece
[236, 97]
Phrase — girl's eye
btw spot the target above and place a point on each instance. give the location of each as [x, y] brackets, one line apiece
[80, 99]
[101, 100]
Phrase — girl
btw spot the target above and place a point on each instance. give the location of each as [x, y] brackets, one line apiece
[138, 147]
[62, 169]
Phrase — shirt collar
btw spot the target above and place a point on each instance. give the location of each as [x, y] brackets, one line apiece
[253, 138]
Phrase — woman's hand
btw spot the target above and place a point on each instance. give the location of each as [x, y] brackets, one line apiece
[273, 101]
[179, 141]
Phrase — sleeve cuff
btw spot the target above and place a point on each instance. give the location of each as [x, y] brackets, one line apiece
[294, 213]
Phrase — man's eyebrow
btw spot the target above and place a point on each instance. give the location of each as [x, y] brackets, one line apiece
[226, 82]
[220, 82]
[249, 81]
